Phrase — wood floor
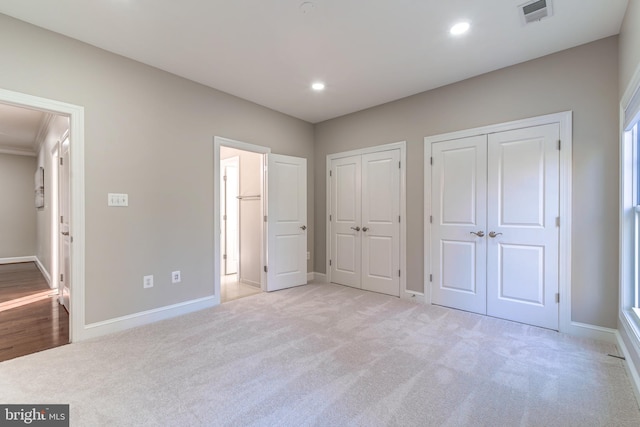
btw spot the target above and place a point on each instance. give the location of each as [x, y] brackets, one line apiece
[31, 319]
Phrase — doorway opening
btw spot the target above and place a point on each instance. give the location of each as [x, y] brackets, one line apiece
[30, 278]
[241, 213]
[74, 116]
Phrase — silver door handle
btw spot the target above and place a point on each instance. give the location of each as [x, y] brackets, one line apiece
[304, 227]
[355, 228]
[365, 229]
[478, 233]
[65, 233]
[493, 234]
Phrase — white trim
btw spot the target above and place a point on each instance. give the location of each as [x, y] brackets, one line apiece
[310, 276]
[219, 141]
[413, 296]
[18, 152]
[593, 332]
[146, 317]
[630, 366]
[44, 272]
[564, 119]
[76, 125]
[250, 283]
[16, 260]
[629, 323]
[402, 146]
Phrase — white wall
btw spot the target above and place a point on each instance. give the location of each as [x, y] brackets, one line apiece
[17, 206]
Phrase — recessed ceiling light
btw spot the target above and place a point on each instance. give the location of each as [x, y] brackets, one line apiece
[317, 86]
[460, 28]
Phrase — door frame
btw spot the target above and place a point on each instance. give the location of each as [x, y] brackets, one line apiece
[77, 211]
[564, 119]
[402, 146]
[236, 161]
[218, 142]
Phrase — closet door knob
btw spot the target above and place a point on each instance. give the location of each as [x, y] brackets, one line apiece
[304, 227]
[365, 229]
[478, 233]
[355, 228]
[493, 234]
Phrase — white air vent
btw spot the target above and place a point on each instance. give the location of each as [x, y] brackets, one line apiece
[535, 10]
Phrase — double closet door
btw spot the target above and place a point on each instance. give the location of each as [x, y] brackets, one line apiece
[494, 225]
[365, 221]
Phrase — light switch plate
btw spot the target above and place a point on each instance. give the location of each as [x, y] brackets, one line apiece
[118, 199]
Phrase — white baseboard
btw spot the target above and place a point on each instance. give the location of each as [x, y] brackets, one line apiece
[44, 272]
[629, 365]
[145, 317]
[317, 277]
[585, 330]
[251, 283]
[15, 260]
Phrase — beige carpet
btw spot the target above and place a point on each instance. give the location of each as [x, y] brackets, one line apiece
[327, 355]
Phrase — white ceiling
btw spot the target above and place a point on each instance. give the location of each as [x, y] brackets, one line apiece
[20, 129]
[367, 51]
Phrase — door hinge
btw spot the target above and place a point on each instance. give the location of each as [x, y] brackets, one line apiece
[330, 174]
[62, 277]
[329, 218]
[431, 277]
[398, 218]
[224, 256]
[430, 219]
[398, 273]
[265, 218]
[266, 270]
[61, 219]
[224, 178]
[224, 217]
[432, 161]
[559, 144]
[557, 221]
[557, 298]
[61, 161]
[329, 262]
[399, 165]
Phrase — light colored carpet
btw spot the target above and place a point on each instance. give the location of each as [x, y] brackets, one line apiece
[328, 355]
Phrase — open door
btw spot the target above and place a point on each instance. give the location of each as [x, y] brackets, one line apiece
[286, 222]
[64, 288]
[230, 228]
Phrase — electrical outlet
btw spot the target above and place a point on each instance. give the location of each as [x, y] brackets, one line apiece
[118, 199]
[175, 277]
[147, 282]
[308, 255]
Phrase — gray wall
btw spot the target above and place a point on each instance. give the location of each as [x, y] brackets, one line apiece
[17, 206]
[583, 79]
[149, 134]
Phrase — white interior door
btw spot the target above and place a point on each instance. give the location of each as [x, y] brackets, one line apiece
[458, 241]
[230, 215]
[522, 240]
[64, 289]
[345, 211]
[380, 231]
[286, 222]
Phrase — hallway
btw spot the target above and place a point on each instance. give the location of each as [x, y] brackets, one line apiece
[31, 320]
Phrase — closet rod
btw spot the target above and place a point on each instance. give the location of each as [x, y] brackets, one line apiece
[248, 197]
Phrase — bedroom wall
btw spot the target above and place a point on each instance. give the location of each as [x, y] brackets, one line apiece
[150, 134]
[583, 79]
[17, 209]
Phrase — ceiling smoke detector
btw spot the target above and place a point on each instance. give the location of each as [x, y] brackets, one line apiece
[535, 11]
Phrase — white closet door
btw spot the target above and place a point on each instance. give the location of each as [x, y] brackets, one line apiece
[459, 195]
[380, 231]
[346, 221]
[286, 222]
[523, 185]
